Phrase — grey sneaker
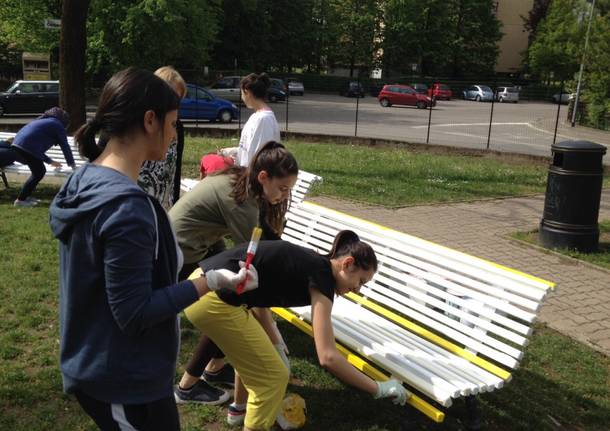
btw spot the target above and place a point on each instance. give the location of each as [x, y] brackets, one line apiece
[25, 203]
[201, 393]
[31, 199]
[224, 377]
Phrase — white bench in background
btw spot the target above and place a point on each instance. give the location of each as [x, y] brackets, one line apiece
[446, 324]
[54, 153]
[304, 182]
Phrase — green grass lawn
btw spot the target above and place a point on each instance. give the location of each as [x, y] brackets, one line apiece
[600, 258]
[395, 177]
[560, 381]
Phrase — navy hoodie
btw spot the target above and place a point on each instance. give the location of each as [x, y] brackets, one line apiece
[119, 300]
[37, 137]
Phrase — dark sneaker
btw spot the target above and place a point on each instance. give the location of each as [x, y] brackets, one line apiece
[235, 416]
[225, 376]
[201, 393]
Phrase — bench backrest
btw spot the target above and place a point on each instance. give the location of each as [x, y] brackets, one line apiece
[304, 182]
[478, 305]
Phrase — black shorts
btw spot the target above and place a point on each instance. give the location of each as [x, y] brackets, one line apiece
[160, 415]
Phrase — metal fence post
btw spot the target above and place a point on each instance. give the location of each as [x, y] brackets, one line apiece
[558, 109]
[491, 114]
[357, 105]
[287, 99]
[432, 99]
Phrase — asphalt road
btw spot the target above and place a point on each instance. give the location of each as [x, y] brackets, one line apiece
[526, 127]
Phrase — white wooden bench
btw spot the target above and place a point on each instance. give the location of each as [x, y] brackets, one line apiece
[446, 324]
[54, 153]
[304, 181]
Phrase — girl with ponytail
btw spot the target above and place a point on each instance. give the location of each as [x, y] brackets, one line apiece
[229, 202]
[118, 263]
[288, 276]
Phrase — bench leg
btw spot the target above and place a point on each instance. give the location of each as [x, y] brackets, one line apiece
[474, 414]
[4, 179]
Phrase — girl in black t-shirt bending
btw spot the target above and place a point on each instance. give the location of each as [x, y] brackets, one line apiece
[288, 275]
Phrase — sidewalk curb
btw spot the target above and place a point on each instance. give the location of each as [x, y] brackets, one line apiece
[570, 259]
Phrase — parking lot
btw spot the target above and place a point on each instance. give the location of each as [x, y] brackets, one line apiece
[525, 127]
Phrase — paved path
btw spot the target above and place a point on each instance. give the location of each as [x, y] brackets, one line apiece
[580, 305]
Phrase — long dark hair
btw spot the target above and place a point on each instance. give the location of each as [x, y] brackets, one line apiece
[256, 84]
[347, 243]
[126, 97]
[278, 162]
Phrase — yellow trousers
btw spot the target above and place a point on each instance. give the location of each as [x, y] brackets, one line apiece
[248, 348]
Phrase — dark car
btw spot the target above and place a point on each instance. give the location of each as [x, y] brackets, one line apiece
[29, 97]
[277, 91]
[200, 104]
[403, 95]
[420, 88]
[352, 89]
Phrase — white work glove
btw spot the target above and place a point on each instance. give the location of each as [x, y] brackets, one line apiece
[392, 389]
[281, 350]
[225, 279]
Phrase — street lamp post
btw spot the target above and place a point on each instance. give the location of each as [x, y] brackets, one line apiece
[582, 65]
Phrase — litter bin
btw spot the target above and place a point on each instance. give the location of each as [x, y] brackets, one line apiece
[573, 193]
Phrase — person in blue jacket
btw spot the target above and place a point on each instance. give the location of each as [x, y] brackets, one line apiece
[119, 264]
[33, 141]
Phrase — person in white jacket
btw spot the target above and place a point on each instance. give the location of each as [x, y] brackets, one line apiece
[262, 126]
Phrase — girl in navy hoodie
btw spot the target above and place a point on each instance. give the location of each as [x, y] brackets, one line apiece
[119, 295]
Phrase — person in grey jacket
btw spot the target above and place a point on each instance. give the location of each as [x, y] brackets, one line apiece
[119, 262]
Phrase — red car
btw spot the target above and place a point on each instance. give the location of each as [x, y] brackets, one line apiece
[440, 91]
[397, 94]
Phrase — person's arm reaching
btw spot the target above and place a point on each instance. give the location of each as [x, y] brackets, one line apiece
[65, 147]
[330, 358]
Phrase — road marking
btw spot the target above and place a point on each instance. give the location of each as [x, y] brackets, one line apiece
[470, 124]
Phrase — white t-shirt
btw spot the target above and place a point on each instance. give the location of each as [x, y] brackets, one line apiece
[260, 128]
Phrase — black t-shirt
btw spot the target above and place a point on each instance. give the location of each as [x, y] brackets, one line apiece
[285, 271]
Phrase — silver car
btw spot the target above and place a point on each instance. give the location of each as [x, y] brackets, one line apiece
[507, 94]
[295, 87]
[227, 88]
[480, 93]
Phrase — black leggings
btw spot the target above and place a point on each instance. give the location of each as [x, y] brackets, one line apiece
[206, 349]
[36, 167]
[160, 415]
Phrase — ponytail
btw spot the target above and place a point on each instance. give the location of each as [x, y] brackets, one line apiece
[347, 243]
[85, 138]
[124, 101]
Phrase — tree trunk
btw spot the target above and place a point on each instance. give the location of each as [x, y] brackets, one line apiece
[73, 44]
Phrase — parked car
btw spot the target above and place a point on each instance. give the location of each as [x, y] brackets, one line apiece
[507, 94]
[480, 93]
[352, 89]
[295, 87]
[420, 88]
[565, 97]
[403, 95]
[440, 91]
[200, 104]
[277, 91]
[228, 88]
[29, 97]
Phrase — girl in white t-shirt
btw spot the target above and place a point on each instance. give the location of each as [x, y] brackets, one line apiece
[262, 126]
